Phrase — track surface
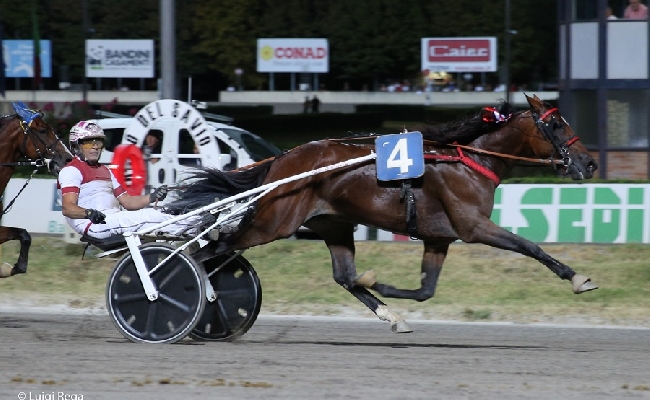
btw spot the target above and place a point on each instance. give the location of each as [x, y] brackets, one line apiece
[82, 355]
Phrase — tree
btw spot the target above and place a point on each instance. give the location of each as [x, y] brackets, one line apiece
[225, 32]
[371, 41]
[374, 40]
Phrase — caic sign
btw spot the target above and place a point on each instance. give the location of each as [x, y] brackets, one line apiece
[471, 54]
[292, 55]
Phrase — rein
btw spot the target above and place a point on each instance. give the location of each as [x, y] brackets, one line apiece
[38, 163]
[11, 203]
[471, 149]
[490, 114]
[462, 158]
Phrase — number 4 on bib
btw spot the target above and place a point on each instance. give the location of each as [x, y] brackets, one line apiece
[399, 156]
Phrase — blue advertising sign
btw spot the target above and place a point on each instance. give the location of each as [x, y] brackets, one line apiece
[399, 156]
[19, 58]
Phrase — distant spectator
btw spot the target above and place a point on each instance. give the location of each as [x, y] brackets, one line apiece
[194, 161]
[152, 145]
[636, 10]
[306, 105]
[610, 14]
[315, 104]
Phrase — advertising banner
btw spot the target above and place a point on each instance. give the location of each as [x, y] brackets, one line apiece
[120, 59]
[572, 213]
[292, 55]
[40, 200]
[591, 213]
[19, 58]
[467, 54]
[587, 213]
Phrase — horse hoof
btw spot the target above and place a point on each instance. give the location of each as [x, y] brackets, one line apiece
[401, 327]
[582, 284]
[367, 279]
[5, 270]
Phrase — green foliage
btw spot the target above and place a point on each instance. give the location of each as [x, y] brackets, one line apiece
[396, 112]
[296, 277]
[419, 113]
[371, 41]
[476, 315]
[288, 131]
[238, 112]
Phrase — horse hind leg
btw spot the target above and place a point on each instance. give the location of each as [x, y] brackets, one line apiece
[432, 260]
[340, 242]
[7, 234]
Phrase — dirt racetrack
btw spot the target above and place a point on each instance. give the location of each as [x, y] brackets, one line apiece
[81, 355]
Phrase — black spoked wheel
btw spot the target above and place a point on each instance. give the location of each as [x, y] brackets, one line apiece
[239, 299]
[180, 302]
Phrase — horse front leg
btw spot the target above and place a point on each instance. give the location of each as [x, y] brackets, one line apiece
[493, 235]
[7, 234]
[432, 260]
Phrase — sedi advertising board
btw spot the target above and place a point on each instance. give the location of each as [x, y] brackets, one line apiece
[587, 213]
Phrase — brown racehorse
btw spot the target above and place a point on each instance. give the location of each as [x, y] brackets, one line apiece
[25, 134]
[452, 200]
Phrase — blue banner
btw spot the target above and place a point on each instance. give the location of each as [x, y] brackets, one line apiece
[19, 58]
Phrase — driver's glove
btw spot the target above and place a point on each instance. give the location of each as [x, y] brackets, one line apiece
[95, 216]
[158, 194]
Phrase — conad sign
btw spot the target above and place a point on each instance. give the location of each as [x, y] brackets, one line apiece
[470, 54]
[292, 55]
[588, 213]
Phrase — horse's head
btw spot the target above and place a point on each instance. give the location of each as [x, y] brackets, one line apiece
[39, 142]
[559, 141]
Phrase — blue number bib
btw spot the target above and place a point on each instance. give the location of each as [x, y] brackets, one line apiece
[399, 156]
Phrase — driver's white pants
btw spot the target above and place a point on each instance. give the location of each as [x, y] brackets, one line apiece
[120, 222]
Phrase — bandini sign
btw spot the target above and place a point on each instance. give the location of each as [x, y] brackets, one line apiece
[470, 54]
[292, 55]
[120, 59]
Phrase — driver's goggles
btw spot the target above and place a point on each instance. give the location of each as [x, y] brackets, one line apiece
[90, 143]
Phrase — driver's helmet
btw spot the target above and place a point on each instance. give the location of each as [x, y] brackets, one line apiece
[84, 130]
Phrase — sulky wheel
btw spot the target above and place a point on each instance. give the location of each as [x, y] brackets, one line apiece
[238, 302]
[180, 302]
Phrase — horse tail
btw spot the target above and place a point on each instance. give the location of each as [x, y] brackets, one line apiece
[206, 185]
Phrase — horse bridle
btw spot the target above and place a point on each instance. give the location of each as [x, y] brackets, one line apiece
[548, 130]
[42, 160]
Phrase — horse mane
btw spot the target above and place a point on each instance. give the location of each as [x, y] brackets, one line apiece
[465, 130]
[204, 186]
[5, 118]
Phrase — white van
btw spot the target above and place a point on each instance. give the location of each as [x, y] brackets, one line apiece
[187, 138]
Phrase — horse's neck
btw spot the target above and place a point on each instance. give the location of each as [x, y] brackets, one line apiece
[511, 140]
[9, 154]
[5, 175]
[10, 149]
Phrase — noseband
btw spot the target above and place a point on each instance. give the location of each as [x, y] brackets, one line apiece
[547, 129]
